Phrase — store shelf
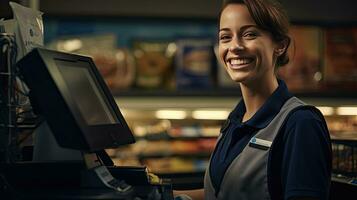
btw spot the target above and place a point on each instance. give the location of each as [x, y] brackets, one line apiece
[343, 187]
[156, 147]
[133, 8]
[179, 102]
[304, 12]
[147, 102]
[349, 137]
[344, 179]
[187, 155]
[179, 138]
[228, 92]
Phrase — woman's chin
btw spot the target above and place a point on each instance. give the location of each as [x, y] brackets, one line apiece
[239, 78]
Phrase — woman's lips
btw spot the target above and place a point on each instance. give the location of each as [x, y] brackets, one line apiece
[239, 63]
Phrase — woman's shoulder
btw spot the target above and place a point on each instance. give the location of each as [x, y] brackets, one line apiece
[306, 126]
[305, 113]
[306, 119]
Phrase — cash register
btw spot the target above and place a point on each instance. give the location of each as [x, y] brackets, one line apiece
[81, 120]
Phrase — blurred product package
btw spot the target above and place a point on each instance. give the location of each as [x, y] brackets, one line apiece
[344, 157]
[340, 58]
[8, 26]
[195, 63]
[28, 29]
[304, 71]
[154, 64]
[116, 65]
[24, 32]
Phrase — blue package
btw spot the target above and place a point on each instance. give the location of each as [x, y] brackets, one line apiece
[194, 63]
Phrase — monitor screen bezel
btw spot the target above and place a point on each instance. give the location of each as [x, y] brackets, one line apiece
[94, 137]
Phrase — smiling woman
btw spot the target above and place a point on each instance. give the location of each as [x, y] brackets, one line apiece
[273, 145]
[253, 42]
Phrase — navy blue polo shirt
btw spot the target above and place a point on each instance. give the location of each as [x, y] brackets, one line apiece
[303, 161]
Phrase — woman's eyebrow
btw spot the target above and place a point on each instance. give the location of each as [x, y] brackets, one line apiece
[243, 28]
[224, 29]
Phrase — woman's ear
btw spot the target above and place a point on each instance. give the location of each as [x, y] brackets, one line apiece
[281, 47]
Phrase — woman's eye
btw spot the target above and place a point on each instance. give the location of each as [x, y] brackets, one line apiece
[250, 35]
[224, 37]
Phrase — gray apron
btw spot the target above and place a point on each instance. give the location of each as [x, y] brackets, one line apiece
[246, 177]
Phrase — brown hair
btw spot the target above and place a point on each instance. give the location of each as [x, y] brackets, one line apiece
[270, 16]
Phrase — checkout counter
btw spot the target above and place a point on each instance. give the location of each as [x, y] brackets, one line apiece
[83, 119]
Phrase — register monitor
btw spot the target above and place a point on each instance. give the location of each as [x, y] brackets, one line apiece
[70, 93]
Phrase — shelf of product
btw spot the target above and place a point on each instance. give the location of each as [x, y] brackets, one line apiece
[169, 146]
[303, 72]
[149, 104]
[344, 160]
[322, 62]
[342, 127]
[184, 145]
[340, 57]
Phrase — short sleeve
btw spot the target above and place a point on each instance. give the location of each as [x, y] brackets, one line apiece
[306, 164]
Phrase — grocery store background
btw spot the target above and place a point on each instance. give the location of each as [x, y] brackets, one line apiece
[158, 58]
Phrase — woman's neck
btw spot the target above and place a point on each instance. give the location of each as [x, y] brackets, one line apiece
[255, 95]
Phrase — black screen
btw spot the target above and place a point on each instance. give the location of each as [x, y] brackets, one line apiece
[84, 91]
[70, 93]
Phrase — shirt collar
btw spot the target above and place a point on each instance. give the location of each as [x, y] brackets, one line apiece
[267, 112]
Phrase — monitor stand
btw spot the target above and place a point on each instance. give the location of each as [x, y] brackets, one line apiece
[83, 174]
[46, 148]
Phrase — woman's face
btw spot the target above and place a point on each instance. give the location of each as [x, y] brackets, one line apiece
[246, 51]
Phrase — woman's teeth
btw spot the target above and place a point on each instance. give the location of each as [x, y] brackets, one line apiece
[240, 61]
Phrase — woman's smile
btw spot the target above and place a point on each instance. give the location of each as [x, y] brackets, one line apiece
[239, 63]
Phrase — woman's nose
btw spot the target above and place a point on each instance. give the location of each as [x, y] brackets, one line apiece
[236, 44]
[236, 47]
